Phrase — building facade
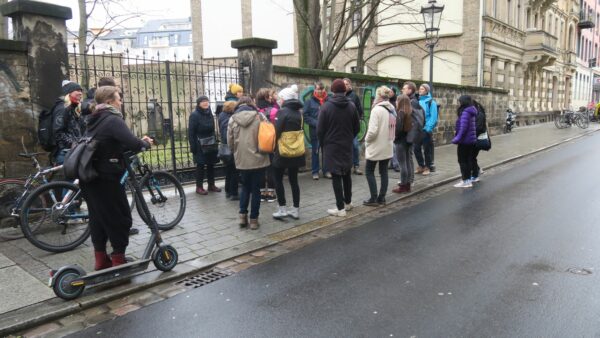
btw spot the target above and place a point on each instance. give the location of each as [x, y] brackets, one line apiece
[526, 47]
[585, 92]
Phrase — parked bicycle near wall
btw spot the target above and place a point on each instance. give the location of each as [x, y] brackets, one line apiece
[568, 117]
[61, 222]
[14, 191]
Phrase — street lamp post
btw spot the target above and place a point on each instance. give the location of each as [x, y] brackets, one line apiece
[432, 15]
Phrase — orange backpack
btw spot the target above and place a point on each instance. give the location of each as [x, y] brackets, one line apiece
[266, 135]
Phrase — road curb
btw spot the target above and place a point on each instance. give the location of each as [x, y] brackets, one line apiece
[52, 309]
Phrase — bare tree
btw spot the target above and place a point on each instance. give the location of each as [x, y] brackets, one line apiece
[337, 22]
[111, 21]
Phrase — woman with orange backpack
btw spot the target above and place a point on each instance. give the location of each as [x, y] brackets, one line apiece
[242, 132]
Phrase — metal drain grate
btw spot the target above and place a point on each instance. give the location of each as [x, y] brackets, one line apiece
[202, 279]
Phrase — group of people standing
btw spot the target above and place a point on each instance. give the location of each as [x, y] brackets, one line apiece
[400, 129]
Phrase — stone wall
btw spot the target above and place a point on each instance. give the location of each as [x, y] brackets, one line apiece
[16, 114]
[494, 100]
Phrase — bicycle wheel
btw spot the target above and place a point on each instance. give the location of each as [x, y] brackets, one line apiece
[10, 191]
[165, 198]
[557, 121]
[62, 223]
[582, 121]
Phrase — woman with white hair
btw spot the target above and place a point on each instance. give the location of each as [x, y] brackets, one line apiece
[379, 144]
[289, 152]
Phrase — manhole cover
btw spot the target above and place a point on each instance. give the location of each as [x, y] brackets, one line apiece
[578, 271]
[202, 279]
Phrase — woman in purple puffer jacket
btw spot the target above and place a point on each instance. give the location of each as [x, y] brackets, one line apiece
[466, 136]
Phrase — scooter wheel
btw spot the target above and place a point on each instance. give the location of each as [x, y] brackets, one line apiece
[165, 258]
[63, 288]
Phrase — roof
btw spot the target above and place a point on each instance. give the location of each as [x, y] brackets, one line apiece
[121, 33]
[167, 25]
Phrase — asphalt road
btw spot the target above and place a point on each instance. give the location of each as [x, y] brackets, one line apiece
[490, 261]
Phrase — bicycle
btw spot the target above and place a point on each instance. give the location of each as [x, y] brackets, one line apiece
[565, 119]
[13, 193]
[159, 188]
[62, 224]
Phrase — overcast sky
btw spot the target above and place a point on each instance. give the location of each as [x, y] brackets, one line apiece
[271, 19]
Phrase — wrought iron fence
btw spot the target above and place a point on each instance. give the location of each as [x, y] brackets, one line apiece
[159, 96]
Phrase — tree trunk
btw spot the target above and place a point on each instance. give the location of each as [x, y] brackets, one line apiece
[83, 47]
[308, 25]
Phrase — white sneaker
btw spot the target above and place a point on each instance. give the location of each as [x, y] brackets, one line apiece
[293, 213]
[336, 212]
[281, 213]
[464, 184]
[349, 206]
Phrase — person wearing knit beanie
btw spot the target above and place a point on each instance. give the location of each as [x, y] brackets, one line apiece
[234, 93]
[70, 87]
[426, 87]
[338, 86]
[289, 93]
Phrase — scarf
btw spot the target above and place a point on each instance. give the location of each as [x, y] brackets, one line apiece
[321, 97]
[103, 106]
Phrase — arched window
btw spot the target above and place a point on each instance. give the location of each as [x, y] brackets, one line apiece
[395, 66]
[447, 67]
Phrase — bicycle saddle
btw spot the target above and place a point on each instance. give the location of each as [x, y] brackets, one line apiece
[30, 155]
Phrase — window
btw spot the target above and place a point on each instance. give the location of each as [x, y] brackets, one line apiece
[528, 18]
[509, 14]
[357, 15]
[519, 14]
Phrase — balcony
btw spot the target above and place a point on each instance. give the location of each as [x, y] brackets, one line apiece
[540, 48]
[586, 21]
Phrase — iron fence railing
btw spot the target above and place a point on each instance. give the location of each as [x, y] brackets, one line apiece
[159, 95]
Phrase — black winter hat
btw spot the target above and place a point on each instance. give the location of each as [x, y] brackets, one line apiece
[202, 98]
[71, 87]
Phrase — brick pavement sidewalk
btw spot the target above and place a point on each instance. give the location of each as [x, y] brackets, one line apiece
[209, 230]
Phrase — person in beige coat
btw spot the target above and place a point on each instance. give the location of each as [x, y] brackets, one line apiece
[242, 138]
[379, 143]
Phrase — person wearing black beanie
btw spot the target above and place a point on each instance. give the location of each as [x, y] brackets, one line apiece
[203, 144]
[67, 125]
[337, 127]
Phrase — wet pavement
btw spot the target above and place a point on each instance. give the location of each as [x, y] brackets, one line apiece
[514, 256]
[209, 226]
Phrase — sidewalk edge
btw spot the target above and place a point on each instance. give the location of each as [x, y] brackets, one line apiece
[206, 262]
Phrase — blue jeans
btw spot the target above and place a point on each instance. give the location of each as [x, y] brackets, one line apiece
[427, 145]
[355, 152]
[60, 156]
[315, 157]
[251, 191]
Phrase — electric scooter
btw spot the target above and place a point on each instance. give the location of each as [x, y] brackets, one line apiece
[69, 281]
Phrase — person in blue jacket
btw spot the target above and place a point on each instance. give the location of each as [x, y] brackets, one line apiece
[312, 107]
[424, 149]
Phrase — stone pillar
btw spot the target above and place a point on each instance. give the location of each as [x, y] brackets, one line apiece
[42, 26]
[246, 19]
[198, 39]
[255, 57]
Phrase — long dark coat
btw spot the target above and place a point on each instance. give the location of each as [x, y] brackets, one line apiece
[338, 126]
[201, 125]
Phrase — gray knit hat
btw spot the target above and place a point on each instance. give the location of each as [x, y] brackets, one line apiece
[427, 88]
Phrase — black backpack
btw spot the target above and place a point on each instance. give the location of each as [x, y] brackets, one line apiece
[79, 159]
[480, 120]
[45, 125]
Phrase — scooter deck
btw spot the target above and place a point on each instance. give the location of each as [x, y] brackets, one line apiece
[112, 274]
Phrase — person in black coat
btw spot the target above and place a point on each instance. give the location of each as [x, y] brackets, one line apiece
[356, 100]
[338, 126]
[110, 215]
[231, 173]
[67, 124]
[201, 126]
[312, 106]
[289, 119]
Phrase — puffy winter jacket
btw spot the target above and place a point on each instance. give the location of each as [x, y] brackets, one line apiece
[466, 127]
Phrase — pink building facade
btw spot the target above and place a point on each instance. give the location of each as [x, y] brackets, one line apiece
[586, 90]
